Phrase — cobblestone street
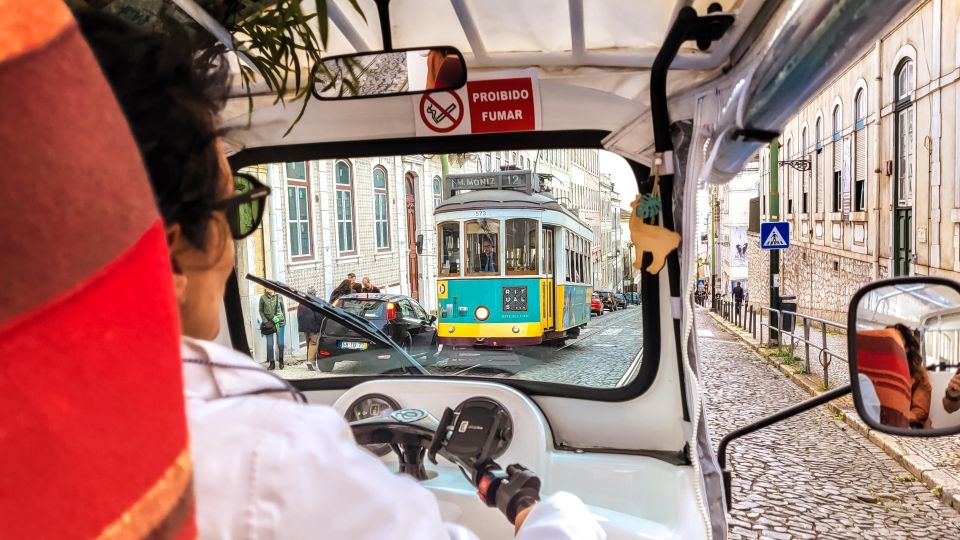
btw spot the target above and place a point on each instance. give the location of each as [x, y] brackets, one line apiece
[810, 476]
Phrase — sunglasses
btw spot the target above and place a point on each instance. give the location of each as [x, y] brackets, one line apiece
[244, 210]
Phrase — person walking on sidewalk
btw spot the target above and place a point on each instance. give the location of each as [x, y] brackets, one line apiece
[738, 304]
[272, 310]
[308, 321]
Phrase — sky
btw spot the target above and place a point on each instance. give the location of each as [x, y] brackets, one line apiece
[622, 176]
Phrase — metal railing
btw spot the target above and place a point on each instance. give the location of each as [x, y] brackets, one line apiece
[751, 318]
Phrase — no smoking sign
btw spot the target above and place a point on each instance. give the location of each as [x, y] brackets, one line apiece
[481, 106]
[441, 112]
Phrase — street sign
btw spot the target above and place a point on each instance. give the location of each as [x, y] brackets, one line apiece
[521, 180]
[775, 235]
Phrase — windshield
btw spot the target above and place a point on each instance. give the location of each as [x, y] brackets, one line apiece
[477, 264]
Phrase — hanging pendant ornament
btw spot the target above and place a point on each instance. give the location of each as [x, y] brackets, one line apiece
[651, 238]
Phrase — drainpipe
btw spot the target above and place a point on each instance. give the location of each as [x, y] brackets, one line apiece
[877, 97]
[936, 127]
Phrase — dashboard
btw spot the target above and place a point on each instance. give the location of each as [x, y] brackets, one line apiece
[632, 496]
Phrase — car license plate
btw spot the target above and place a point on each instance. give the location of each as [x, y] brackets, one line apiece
[355, 345]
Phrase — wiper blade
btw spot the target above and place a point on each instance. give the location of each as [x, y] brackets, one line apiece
[353, 322]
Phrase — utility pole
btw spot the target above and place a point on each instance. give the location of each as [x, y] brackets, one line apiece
[773, 214]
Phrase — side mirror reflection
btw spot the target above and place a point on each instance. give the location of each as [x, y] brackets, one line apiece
[904, 345]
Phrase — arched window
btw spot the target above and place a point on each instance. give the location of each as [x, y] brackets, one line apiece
[437, 191]
[837, 123]
[860, 151]
[819, 133]
[860, 109]
[381, 209]
[904, 133]
[346, 229]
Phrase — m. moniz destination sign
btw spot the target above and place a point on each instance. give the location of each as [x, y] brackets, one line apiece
[518, 180]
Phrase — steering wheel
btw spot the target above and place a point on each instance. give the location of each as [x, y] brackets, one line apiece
[407, 431]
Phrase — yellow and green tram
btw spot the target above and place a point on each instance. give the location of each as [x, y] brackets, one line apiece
[514, 265]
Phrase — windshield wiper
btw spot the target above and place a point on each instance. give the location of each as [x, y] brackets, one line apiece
[353, 322]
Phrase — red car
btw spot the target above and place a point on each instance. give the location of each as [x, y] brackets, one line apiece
[596, 306]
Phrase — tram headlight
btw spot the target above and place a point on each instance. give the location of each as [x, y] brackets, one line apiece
[516, 329]
[451, 330]
[481, 313]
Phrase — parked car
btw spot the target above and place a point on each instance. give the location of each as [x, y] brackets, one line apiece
[399, 316]
[633, 298]
[609, 302]
[596, 306]
[621, 300]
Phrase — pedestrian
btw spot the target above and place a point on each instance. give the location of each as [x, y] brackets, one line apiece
[738, 304]
[272, 311]
[343, 288]
[369, 287]
[308, 321]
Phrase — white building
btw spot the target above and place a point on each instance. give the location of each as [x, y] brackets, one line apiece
[734, 213]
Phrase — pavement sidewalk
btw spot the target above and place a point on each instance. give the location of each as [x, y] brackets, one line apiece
[934, 461]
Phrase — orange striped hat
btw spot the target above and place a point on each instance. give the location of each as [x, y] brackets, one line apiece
[93, 436]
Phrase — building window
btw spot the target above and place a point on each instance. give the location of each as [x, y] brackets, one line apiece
[904, 134]
[860, 152]
[804, 175]
[818, 166]
[837, 161]
[437, 191]
[381, 212]
[346, 235]
[298, 210]
[489, 159]
[789, 183]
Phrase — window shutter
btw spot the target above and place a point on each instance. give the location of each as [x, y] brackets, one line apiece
[861, 154]
[837, 155]
[819, 157]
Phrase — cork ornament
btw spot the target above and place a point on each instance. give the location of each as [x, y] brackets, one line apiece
[650, 238]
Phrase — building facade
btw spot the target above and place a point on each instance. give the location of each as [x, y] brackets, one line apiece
[881, 197]
[732, 220]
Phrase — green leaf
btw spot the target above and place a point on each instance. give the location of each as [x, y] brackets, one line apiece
[649, 206]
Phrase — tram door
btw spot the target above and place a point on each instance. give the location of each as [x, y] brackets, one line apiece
[547, 284]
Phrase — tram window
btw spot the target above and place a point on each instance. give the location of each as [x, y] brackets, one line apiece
[521, 238]
[449, 235]
[548, 252]
[483, 246]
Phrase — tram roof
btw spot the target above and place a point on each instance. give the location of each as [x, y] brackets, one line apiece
[503, 199]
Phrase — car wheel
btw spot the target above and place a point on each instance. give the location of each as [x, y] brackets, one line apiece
[325, 365]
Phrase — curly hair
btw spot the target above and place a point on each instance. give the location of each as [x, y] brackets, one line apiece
[911, 340]
[171, 106]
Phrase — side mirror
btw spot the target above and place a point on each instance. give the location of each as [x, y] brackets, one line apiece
[432, 319]
[419, 244]
[904, 345]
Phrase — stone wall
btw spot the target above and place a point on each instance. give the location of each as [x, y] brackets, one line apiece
[823, 282]
[758, 271]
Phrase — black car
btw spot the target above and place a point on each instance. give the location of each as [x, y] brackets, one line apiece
[621, 300]
[609, 301]
[399, 316]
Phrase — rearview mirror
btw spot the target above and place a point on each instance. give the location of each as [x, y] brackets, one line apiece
[904, 344]
[389, 73]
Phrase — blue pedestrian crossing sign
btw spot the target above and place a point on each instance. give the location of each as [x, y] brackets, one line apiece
[775, 235]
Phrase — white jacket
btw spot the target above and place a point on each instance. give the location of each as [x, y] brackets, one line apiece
[268, 467]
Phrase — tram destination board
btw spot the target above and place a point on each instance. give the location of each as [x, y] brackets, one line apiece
[520, 180]
[514, 298]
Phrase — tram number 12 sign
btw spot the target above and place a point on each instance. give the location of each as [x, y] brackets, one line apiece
[514, 298]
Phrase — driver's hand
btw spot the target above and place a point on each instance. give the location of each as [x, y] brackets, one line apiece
[522, 515]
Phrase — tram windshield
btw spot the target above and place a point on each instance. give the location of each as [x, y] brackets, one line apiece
[479, 264]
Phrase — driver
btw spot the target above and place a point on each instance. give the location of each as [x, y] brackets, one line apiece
[264, 465]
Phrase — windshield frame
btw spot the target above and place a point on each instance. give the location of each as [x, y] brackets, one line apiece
[538, 140]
